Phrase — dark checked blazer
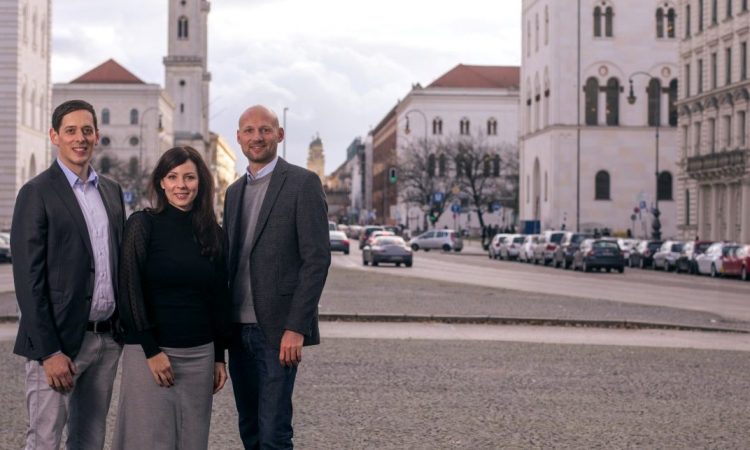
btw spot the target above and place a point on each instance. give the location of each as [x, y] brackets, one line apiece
[53, 263]
[290, 252]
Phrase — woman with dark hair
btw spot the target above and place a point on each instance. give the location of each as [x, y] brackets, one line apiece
[175, 309]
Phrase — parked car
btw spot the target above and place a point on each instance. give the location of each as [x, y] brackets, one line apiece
[712, 261]
[339, 241]
[643, 255]
[376, 234]
[739, 264]
[666, 257]
[445, 240]
[387, 249]
[626, 245]
[332, 226]
[686, 261]
[366, 232]
[5, 255]
[526, 253]
[563, 255]
[544, 250]
[599, 254]
[353, 231]
[510, 247]
[493, 251]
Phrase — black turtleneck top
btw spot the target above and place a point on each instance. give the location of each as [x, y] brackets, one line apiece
[170, 295]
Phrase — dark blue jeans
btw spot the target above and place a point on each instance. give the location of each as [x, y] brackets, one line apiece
[262, 390]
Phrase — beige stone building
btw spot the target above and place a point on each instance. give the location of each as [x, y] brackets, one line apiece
[316, 160]
[221, 160]
[24, 97]
[713, 193]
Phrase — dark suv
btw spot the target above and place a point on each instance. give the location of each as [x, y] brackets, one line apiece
[364, 235]
[643, 255]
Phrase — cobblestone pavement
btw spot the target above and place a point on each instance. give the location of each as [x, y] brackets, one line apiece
[371, 292]
[395, 394]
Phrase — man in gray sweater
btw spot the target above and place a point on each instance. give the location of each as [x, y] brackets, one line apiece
[279, 253]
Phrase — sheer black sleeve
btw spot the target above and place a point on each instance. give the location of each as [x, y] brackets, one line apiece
[222, 303]
[131, 301]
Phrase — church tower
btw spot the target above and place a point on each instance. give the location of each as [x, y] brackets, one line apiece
[186, 71]
[316, 160]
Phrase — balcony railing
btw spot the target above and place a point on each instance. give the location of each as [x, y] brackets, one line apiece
[716, 165]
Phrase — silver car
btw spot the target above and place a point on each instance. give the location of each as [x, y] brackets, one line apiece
[445, 240]
[667, 255]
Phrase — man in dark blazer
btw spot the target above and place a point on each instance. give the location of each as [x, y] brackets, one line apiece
[65, 235]
[276, 220]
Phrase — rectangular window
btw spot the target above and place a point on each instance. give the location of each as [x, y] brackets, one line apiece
[700, 76]
[728, 66]
[685, 140]
[729, 8]
[687, 80]
[712, 135]
[744, 5]
[697, 138]
[741, 129]
[714, 81]
[687, 21]
[700, 15]
[743, 61]
[727, 138]
[714, 12]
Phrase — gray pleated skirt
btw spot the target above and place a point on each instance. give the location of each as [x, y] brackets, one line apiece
[175, 418]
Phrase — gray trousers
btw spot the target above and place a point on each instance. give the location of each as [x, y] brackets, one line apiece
[84, 409]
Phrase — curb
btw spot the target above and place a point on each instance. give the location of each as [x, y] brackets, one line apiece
[497, 320]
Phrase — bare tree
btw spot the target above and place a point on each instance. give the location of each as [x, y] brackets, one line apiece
[485, 173]
[421, 167]
[129, 175]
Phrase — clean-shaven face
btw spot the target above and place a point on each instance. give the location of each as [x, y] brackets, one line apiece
[76, 140]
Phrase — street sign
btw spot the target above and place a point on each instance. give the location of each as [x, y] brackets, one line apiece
[438, 197]
[127, 197]
[456, 208]
[642, 205]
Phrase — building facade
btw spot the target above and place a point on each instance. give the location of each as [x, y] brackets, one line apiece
[187, 78]
[222, 163]
[476, 104]
[713, 184]
[24, 97]
[592, 155]
[316, 159]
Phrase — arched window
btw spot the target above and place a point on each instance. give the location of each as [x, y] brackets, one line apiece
[469, 165]
[613, 102]
[660, 23]
[670, 23]
[609, 16]
[182, 27]
[431, 166]
[601, 185]
[672, 101]
[441, 165]
[487, 165]
[105, 116]
[133, 116]
[437, 126]
[687, 207]
[592, 101]
[464, 126]
[459, 166]
[664, 186]
[492, 127]
[597, 22]
[654, 102]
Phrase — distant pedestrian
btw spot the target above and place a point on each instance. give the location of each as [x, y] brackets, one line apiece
[65, 240]
[275, 218]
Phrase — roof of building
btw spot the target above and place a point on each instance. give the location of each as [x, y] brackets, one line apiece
[465, 76]
[111, 72]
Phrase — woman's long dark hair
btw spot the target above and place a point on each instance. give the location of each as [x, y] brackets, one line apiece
[205, 227]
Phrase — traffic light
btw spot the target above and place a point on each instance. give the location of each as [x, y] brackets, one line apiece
[392, 175]
[434, 213]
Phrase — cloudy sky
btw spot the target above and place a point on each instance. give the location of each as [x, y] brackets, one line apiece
[338, 65]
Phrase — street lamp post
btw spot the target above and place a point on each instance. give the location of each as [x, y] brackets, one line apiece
[656, 225]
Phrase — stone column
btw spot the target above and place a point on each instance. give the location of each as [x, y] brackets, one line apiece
[714, 213]
[745, 211]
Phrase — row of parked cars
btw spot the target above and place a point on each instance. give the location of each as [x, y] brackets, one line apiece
[566, 249]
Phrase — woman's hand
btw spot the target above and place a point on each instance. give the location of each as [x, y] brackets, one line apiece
[161, 369]
[220, 376]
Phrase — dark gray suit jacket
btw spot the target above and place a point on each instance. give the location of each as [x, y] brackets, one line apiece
[290, 252]
[53, 264]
